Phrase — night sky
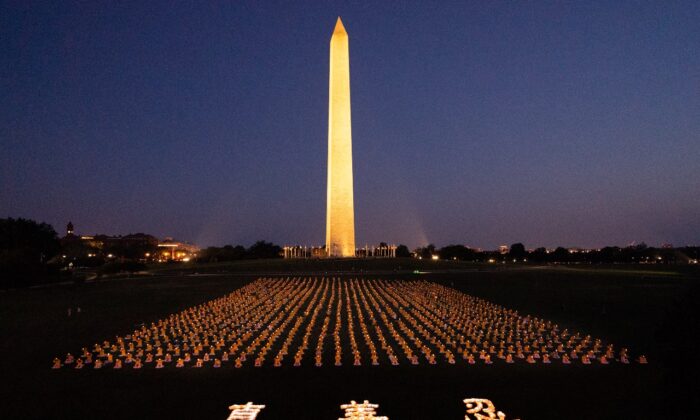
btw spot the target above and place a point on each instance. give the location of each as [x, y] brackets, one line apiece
[480, 123]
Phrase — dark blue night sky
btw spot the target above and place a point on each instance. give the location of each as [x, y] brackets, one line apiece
[481, 123]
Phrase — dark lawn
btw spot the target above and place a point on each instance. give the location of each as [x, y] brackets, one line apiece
[648, 312]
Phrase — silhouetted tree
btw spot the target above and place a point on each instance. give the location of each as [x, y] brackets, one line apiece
[132, 247]
[560, 255]
[458, 252]
[517, 251]
[538, 255]
[225, 253]
[262, 249]
[425, 252]
[609, 254]
[25, 248]
[232, 253]
[402, 251]
[75, 249]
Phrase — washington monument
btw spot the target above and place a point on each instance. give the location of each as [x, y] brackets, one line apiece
[340, 212]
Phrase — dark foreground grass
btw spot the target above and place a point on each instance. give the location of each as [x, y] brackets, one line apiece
[655, 314]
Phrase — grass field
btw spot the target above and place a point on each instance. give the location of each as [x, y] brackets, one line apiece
[645, 310]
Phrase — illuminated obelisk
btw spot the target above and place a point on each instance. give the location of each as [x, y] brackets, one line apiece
[340, 213]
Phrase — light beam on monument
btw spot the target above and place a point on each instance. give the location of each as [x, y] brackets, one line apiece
[340, 213]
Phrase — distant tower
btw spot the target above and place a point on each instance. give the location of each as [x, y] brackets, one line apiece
[69, 229]
[340, 213]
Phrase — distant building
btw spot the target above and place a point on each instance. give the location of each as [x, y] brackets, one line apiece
[136, 246]
[300, 251]
[170, 250]
[503, 249]
[381, 251]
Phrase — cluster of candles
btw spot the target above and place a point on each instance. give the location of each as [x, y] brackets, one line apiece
[351, 321]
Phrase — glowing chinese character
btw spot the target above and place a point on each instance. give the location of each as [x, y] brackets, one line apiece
[244, 411]
[364, 411]
[482, 409]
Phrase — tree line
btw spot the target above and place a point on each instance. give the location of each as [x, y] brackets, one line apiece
[635, 254]
[31, 253]
[260, 249]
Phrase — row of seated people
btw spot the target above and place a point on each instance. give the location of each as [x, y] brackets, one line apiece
[271, 318]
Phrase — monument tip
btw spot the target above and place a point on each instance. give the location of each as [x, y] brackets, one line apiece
[339, 28]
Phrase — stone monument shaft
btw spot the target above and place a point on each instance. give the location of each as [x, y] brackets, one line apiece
[340, 212]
